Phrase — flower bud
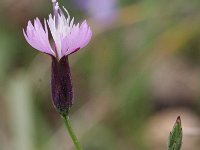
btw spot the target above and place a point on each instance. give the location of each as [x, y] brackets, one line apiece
[175, 137]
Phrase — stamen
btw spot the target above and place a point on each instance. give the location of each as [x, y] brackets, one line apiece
[54, 4]
[66, 12]
[56, 8]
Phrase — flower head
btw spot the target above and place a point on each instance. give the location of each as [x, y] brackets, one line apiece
[67, 36]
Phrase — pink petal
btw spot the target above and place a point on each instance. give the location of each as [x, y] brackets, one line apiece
[85, 39]
[78, 38]
[37, 37]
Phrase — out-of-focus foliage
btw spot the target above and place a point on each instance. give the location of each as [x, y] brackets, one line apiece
[138, 73]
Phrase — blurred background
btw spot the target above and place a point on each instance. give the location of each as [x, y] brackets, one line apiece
[139, 72]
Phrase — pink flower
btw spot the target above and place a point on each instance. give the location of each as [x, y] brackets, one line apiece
[67, 37]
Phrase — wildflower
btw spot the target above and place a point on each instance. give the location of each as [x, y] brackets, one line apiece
[67, 39]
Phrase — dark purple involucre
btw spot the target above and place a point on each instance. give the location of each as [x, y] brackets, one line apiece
[61, 85]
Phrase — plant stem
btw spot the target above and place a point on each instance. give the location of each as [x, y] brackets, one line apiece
[71, 132]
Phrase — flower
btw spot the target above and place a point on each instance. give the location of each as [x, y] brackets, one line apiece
[67, 39]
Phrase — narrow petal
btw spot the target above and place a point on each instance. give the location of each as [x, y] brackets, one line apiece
[55, 34]
[37, 37]
[78, 38]
[86, 35]
[70, 41]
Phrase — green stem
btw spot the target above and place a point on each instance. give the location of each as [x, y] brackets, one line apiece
[71, 132]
